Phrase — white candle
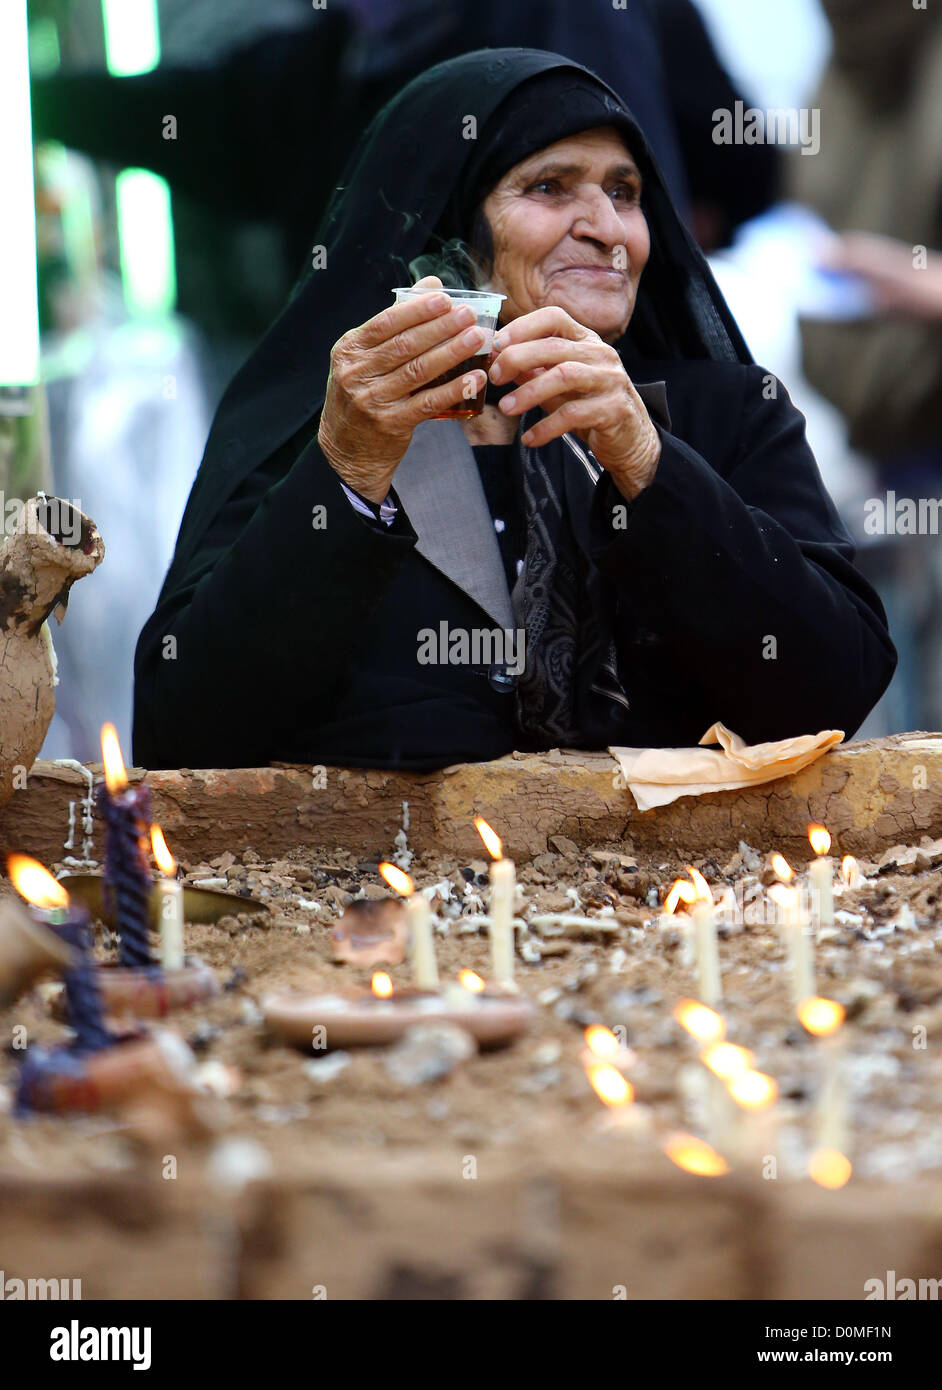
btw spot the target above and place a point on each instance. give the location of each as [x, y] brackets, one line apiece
[823, 1018]
[171, 923]
[708, 965]
[850, 871]
[832, 1097]
[804, 953]
[424, 965]
[798, 945]
[503, 892]
[821, 876]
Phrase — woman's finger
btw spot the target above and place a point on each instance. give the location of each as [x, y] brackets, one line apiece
[397, 318]
[432, 400]
[578, 414]
[566, 379]
[422, 368]
[510, 362]
[549, 322]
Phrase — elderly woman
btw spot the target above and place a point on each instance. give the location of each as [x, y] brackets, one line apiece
[635, 522]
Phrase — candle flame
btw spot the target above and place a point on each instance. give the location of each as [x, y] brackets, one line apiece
[829, 1168]
[381, 985]
[782, 867]
[820, 838]
[397, 880]
[726, 1060]
[785, 897]
[34, 883]
[601, 1040]
[116, 777]
[471, 980]
[165, 860]
[850, 871]
[701, 1022]
[695, 1156]
[822, 1017]
[703, 890]
[753, 1090]
[609, 1085]
[681, 891]
[491, 839]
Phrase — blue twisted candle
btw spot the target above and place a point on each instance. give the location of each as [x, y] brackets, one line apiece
[128, 879]
[45, 1069]
[81, 984]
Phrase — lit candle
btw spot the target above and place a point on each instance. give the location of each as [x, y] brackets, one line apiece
[503, 893]
[823, 1018]
[419, 915]
[128, 881]
[820, 872]
[704, 928]
[798, 944]
[49, 904]
[170, 897]
[850, 871]
[755, 1094]
[724, 1061]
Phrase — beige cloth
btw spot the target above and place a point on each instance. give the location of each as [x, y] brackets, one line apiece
[658, 776]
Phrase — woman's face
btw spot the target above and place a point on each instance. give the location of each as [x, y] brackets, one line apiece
[568, 229]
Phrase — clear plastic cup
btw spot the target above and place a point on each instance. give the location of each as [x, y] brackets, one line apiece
[486, 304]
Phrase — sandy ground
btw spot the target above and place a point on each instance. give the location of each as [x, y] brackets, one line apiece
[881, 960]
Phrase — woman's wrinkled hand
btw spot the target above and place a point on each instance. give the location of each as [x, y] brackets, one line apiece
[579, 380]
[375, 396]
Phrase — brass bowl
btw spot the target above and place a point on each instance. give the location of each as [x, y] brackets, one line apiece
[202, 905]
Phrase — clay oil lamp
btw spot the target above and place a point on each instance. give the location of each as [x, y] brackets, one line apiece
[99, 1069]
[380, 1015]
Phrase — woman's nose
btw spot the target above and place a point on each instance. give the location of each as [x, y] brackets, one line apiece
[599, 221]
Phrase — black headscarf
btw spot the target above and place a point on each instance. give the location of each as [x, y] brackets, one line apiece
[403, 190]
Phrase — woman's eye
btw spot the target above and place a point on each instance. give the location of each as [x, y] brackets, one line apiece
[628, 192]
[550, 185]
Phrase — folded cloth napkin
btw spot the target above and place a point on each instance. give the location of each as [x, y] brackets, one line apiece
[658, 776]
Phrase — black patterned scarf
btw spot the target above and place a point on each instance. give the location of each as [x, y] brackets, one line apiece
[554, 604]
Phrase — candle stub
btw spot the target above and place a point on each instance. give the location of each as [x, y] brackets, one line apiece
[424, 965]
[503, 891]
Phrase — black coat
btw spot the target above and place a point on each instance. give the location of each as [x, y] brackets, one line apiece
[728, 586]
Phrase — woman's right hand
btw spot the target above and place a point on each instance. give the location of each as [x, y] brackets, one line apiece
[374, 398]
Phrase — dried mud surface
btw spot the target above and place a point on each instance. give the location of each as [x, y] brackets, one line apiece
[882, 960]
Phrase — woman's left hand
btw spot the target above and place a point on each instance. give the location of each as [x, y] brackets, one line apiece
[581, 383]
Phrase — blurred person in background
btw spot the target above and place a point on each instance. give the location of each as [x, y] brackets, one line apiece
[126, 412]
[259, 97]
[878, 180]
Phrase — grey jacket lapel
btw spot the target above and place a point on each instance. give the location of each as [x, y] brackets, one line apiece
[438, 483]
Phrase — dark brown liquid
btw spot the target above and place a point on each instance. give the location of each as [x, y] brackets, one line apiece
[473, 405]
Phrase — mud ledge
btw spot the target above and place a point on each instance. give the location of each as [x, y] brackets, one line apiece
[870, 794]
